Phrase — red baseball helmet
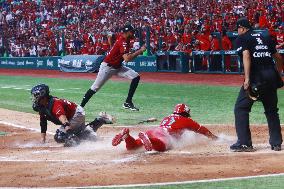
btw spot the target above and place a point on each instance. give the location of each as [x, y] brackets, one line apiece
[182, 109]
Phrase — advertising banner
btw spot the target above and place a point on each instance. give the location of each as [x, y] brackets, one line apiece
[48, 63]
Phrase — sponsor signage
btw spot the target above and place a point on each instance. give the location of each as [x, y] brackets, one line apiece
[80, 63]
[143, 64]
[50, 63]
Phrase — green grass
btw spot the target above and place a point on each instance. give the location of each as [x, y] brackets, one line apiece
[275, 182]
[209, 104]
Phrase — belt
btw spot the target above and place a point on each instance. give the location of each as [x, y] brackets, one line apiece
[112, 66]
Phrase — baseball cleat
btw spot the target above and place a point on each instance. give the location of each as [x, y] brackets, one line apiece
[276, 147]
[130, 106]
[146, 141]
[120, 137]
[241, 148]
[108, 119]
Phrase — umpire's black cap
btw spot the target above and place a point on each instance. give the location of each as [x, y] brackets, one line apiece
[243, 22]
[128, 27]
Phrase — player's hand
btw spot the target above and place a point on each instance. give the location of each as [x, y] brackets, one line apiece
[246, 84]
[211, 136]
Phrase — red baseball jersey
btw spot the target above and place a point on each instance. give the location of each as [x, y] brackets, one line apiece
[58, 107]
[114, 57]
[175, 124]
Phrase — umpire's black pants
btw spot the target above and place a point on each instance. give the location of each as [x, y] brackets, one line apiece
[242, 109]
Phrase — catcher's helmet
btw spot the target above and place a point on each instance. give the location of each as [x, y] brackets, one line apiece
[38, 92]
[182, 109]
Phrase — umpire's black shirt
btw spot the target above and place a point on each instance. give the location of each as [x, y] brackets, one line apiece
[261, 49]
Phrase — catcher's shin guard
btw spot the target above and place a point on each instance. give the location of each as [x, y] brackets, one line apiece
[96, 124]
[103, 118]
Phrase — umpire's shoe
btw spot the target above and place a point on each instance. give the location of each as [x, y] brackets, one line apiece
[276, 147]
[241, 148]
[130, 106]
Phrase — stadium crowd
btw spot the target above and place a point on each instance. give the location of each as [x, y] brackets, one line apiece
[49, 27]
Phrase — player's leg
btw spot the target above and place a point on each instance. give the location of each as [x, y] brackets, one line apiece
[77, 122]
[131, 143]
[103, 118]
[105, 72]
[242, 109]
[77, 126]
[270, 101]
[159, 138]
[135, 78]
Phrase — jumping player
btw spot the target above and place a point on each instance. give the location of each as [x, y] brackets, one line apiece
[112, 65]
[159, 138]
[63, 112]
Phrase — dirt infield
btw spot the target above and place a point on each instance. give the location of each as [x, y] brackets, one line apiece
[25, 162]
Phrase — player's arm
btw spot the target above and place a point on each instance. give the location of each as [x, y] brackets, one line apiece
[196, 127]
[63, 119]
[130, 56]
[247, 67]
[43, 126]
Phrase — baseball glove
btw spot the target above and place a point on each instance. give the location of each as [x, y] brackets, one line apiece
[253, 92]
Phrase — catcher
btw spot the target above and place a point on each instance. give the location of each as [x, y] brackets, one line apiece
[159, 138]
[62, 112]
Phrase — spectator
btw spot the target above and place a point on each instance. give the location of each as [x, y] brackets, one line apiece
[226, 45]
[42, 19]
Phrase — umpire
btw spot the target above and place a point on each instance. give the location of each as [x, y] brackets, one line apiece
[262, 72]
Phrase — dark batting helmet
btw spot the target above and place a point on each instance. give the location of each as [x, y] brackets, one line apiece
[38, 92]
[182, 109]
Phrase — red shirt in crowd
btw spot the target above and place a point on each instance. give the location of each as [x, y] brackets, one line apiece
[203, 42]
[115, 56]
[226, 43]
[215, 46]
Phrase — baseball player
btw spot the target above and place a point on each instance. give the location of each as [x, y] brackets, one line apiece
[112, 65]
[159, 138]
[63, 112]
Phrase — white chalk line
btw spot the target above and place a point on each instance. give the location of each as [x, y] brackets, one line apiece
[23, 127]
[126, 159]
[138, 185]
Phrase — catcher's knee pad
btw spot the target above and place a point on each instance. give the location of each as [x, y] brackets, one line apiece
[60, 136]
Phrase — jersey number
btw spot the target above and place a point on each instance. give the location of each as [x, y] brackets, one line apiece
[168, 122]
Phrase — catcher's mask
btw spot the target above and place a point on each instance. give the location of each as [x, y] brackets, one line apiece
[38, 92]
[182, 109]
